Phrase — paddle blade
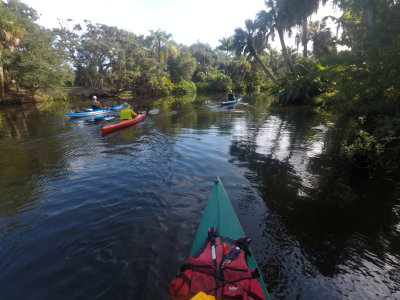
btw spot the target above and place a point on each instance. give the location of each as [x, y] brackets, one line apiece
[154, 111]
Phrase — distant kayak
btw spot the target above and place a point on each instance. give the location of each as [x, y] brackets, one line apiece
[122, 123]
[230, 102]
[93, 112]
[110, 115]
[218, 266]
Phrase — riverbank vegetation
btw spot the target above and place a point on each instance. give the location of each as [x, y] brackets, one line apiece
[364, 81]
[361, 81]
[347, 63]
[109, 61]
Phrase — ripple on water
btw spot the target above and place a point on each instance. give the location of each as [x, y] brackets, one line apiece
[114, 216]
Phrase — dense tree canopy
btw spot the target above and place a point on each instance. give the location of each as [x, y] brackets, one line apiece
[29, 55]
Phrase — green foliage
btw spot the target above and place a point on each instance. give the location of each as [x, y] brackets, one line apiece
[256, 79]
[250, 41]
[368, 75]
[366, 79]
[239, 68]
[200, 77]
[204, 55]
[300, 87]
[226, 45]
[24, 14]
[363, 87]
[215, 81]
[164, 46]
[239, 86]
[222, 62]
[376, 139]
[365, 146]
[39, 65]
[279, 17]
[182, 67]
[324, 44]
[160, 86]
[34, 60]
[51, 95]
[184, 87]
[220, 82]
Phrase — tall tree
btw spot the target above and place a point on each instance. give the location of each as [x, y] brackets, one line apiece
[37, 62]
[124, 66]
[204, 55]
[226, 45]
[249, 42]
[276, 61]
[297, 13]
[39, 65]
[183, 67]
[164, 45]
[95, 52]
[240, 67]
[11, 33]
[275, 19]
[323, 41]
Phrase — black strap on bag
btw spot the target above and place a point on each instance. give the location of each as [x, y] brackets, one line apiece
[244, 244]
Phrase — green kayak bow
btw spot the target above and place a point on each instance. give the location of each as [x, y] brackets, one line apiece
[220, 213]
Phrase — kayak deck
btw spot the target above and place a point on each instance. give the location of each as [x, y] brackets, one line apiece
[122, 123]
[220, 213]
[231, 102]
[110, 114]
[93, 112]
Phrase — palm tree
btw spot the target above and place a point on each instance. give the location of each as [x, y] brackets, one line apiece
[323, 41]
[299, 12]
[275, 19]
[164, 46]
[248, 42]
[225, 44]
[275, 59]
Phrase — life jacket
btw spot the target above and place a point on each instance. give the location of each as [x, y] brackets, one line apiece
[219, 268]
[94, 106]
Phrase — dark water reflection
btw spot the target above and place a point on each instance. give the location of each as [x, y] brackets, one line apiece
[85, 217]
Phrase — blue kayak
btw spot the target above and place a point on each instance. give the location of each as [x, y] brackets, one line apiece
[230, 102]
[93, 112]
[111, 114]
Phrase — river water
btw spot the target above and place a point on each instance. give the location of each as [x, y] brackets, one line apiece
[86, 216]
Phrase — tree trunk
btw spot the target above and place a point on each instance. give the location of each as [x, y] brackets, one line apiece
[305, 37]
[120, 79]
[118, 87]
[100, 83]
[159, 50]
[268, 73]
[89, 78]
[284, 50]
[244, 74]
[2, 80]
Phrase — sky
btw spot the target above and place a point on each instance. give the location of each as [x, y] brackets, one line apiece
[188, 21]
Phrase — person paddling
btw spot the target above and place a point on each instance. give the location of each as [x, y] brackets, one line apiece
[96, 103]
[126, 113]
[231, 96]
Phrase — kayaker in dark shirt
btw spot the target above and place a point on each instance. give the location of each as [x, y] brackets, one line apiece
[96, 103]
[231, 96]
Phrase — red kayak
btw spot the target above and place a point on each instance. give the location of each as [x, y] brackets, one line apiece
[123, 123]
